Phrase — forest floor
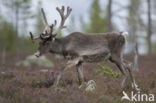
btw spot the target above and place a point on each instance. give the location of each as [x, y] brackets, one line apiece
[24, 84]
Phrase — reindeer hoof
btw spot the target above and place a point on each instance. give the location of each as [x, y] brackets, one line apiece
[135, 86]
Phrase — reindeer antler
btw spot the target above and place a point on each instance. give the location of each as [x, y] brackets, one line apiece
[45, 33]
[45, 20]
[63, 18]
[33, 38]
[45, 30]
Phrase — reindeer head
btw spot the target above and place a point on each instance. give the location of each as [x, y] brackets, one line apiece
[47, 37]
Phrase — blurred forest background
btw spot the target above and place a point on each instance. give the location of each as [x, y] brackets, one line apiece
[139, 21]
[27, 79]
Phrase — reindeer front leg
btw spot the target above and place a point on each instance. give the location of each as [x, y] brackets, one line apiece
[68, 65]
[59, 76]
[128, 66]
[79, 69]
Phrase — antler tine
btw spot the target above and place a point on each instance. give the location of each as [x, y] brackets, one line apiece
[52, 26]
[62, 9]
[63, 18]
[45, 20]
[68, 11]
[55, 22]
[44, 16]
[32, 37]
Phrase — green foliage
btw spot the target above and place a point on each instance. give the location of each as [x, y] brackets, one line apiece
[7, 36]
[10, 31]
[106, 70]
[97, 72]
[97, 22]
[61, 83]
[154, 48]
[27, 45]
[22, 8]
[59, 35]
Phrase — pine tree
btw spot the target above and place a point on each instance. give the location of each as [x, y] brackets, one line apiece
[97, 22]
[7, 37]
[20, 12]
[149, 29]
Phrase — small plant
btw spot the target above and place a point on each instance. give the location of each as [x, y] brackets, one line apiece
[106, 70]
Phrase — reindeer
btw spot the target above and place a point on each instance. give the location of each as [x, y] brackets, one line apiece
[79, 48]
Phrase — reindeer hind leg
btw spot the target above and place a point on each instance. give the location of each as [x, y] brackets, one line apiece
[79, 68]
[128, 66]
[117, 60]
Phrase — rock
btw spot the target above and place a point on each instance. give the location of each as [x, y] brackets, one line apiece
[33, 60]
[91, 85]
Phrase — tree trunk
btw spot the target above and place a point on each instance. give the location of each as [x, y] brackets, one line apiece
[149, 29]
[109, 17]
[0, 7]
[136, 57]
[17, 28]
[4, 56]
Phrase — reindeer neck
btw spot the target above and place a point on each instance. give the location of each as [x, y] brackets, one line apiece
[56, 46]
